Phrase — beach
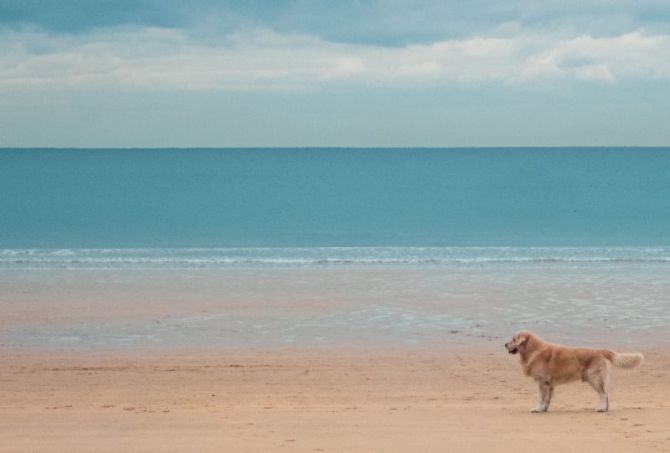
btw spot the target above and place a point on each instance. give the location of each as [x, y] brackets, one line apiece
[311, 400]
[256, 227]
[324, 358]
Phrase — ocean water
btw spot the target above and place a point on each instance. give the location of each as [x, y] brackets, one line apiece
[305, 198]
[266, 248]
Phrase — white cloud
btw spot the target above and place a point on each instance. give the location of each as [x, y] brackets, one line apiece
[168, 59]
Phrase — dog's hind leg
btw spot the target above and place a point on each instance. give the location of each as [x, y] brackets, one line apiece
[598, 381]
[546, 391]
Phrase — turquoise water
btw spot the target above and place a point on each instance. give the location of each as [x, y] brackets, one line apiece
[298, 199]
[263, 248]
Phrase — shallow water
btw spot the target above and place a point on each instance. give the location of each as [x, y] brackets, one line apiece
[613, 304]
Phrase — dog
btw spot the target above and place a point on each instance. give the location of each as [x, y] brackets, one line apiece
[551, 364]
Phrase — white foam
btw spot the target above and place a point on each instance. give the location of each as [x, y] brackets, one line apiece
[323, 256]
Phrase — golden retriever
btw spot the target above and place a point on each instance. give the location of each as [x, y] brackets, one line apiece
[552, 364]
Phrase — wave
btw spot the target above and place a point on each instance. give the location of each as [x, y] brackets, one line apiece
[323, 256]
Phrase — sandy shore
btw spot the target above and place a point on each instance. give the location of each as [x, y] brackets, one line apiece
[315, 400]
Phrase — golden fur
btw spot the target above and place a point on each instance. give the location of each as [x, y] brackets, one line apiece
[551, 364]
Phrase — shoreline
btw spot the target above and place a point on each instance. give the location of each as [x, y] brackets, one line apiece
[265, 308]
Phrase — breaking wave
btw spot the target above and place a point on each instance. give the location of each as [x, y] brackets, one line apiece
[322, 256]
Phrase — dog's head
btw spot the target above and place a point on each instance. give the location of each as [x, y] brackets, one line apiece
[519, 342]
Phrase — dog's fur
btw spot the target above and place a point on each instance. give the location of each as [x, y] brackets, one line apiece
[551, 364]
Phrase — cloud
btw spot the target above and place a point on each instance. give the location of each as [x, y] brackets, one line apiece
[380, 22]
[154, 58]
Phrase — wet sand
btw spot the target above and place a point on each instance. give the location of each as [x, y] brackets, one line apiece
[623, 305]
[310, 400]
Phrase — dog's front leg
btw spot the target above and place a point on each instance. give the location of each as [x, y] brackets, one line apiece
[546, 390]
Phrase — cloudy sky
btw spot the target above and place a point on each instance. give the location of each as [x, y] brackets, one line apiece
[136, 73]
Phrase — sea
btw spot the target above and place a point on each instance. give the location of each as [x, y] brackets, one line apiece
[73, 199]
[137, 248]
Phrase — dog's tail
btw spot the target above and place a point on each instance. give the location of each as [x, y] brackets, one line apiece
[621, 360]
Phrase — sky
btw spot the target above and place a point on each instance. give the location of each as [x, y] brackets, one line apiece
[433, 73]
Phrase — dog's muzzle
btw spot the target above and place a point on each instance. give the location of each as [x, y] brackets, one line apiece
[511, 348]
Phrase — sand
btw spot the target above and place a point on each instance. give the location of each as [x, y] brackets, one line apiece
[315, 400]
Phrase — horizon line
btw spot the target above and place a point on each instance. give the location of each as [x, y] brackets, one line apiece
[304, 147]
